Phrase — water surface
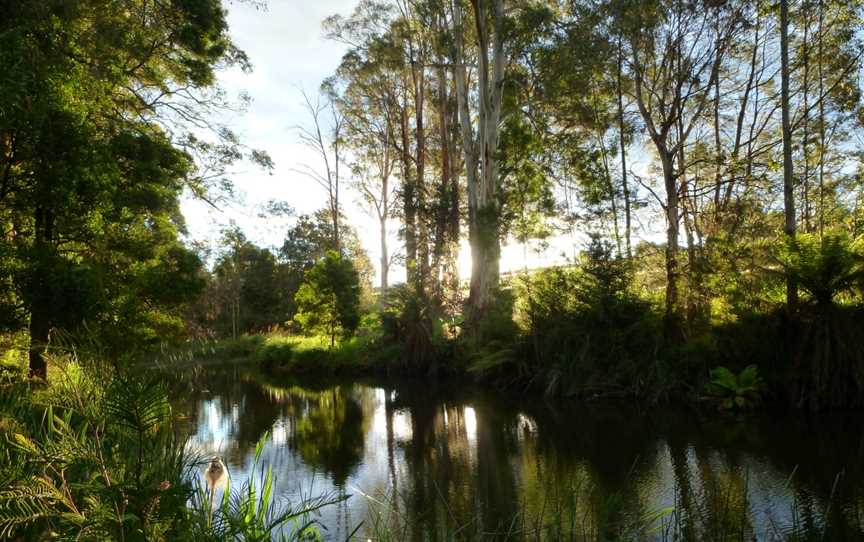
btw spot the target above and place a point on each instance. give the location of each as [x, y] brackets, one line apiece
[438, 457]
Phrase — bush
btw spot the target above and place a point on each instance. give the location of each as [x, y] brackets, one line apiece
[736, 392]
[824, 267]
[586, 331]
[92, 457]
[409, 325]
[827, 362]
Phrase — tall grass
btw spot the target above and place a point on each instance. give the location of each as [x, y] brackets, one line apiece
[94, 455]
[252, 512]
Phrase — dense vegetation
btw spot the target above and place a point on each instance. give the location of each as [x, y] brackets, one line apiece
[514, 122]
[704, 156]
[96, 456]
[531, 123]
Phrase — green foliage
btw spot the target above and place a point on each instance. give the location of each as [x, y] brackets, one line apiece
[252, 289]
[825, 267]
[246, 286]
[328, 301]
[413, 331]
[252, 513]
[91, 457]
[585, 331]
[94, 164]
[527, 199]
[741, 391]
[311, 237]
[500, 348]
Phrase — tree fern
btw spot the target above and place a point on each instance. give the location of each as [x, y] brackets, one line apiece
[824, 267]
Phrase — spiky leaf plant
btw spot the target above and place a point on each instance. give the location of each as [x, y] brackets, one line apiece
[827, 368]
[92, 457]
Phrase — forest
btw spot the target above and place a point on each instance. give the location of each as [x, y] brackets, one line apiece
[689, 172]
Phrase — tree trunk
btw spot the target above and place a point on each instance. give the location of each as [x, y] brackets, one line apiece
[408, 199]
[442, 241]
[454, 216]
[739, 124]
[673, 324]
[385, 260]
[623, 143]
[483, 204]
[40, 307]
[788, 185]
[40, 329]
[419, 80]
[607, 173]
[821, 122]
[805, 136]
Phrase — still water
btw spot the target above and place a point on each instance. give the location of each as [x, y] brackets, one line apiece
[434, 458]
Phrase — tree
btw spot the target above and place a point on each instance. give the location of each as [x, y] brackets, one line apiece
[480, 155]
[328, 301]
[311, 237]
[325, 141]
[788, 187]
[94, 151]
[368, 105]
[676, 50]
[246, 282]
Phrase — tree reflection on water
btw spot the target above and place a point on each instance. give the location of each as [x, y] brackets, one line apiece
[432, 459]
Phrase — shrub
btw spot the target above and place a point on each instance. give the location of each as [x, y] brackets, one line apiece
[824, 267]
[827, 362]
[586, 330]
[91, 457]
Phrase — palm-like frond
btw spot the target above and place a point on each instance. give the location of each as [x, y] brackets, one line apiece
[824, 267]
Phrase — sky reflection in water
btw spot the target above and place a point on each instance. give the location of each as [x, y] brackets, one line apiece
[441, 458]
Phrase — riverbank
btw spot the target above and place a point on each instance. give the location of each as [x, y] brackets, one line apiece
[810, 362]
[284, 355]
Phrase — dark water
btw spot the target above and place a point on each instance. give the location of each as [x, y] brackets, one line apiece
[434, 458]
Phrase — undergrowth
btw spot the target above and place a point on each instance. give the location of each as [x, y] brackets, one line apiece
[93, 454]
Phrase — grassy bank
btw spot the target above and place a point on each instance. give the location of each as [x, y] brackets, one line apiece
[280, 352]
[614, 349]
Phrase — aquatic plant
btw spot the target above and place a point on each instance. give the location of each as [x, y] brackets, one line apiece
[252, 513]
[93, 455]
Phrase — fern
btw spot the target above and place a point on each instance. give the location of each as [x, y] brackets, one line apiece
[824, 267]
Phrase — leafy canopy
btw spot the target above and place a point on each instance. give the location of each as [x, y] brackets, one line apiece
[328, 301]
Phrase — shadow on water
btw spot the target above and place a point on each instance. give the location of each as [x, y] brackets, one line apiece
[436, 461]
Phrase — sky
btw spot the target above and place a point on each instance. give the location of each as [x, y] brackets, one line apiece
[289, 54]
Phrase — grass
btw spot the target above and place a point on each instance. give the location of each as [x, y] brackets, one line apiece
[93, 454]
[281, 352]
